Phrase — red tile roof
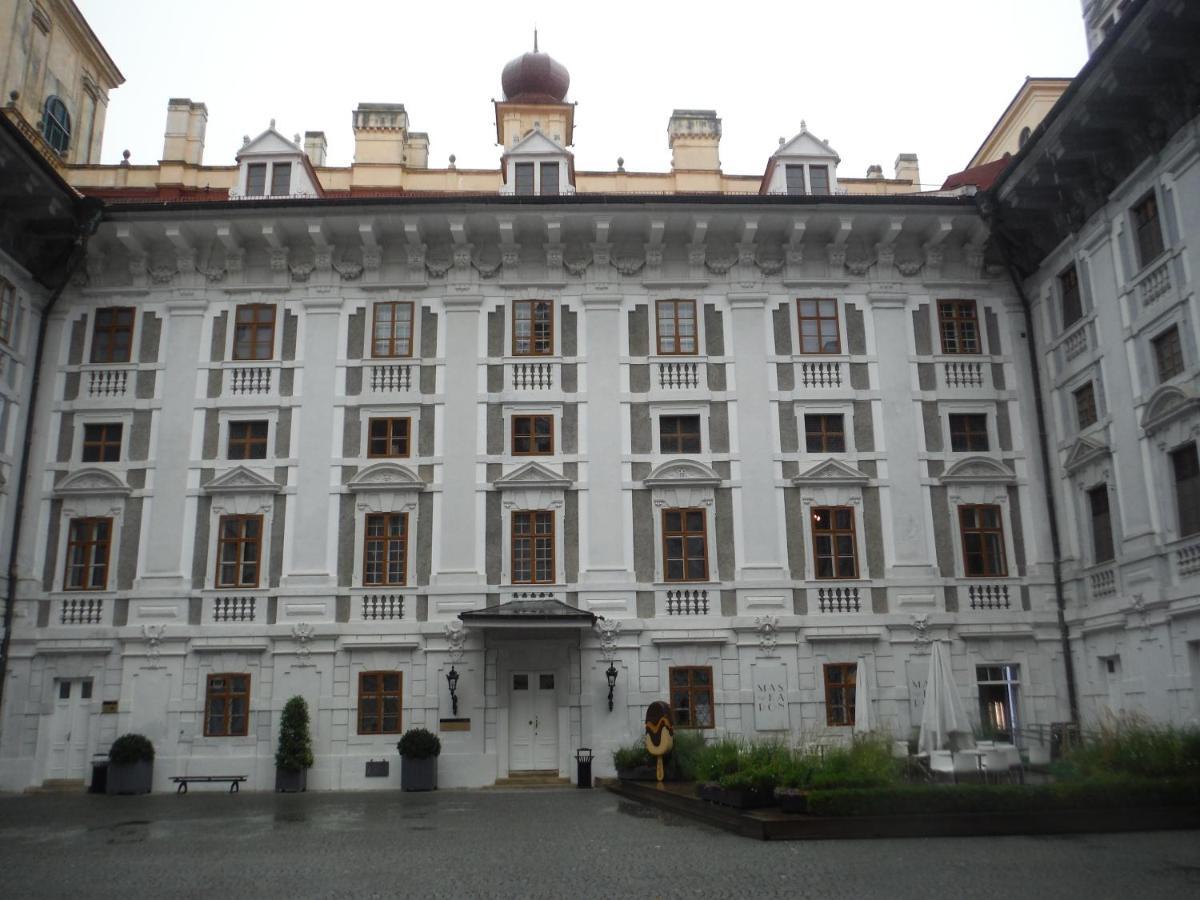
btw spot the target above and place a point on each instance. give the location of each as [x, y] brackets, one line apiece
[982, 177]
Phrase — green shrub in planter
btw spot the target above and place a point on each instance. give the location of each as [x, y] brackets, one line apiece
[1133, 746]
[130, 765]
[419, 750]
[293, 754]
[685, 755]
[631, 757]
[866, 763]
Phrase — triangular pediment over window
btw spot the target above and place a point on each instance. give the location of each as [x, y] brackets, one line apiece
[537, 143]
[808, 146]
[1166, 405]
[1084, 451]
[533, 475]
[91, 483]
[270, 142]
[386, 476]
[978, 470]
[682, 472]
[832, 471]
[241, 480]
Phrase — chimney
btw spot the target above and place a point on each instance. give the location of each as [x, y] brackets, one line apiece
[183, 140]
[380, 133]
[875, 172]
[694, 136]
[906, 169]
[315, 146]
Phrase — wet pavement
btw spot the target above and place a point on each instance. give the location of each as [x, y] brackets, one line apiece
[494, 843]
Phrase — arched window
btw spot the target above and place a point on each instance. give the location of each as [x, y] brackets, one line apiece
[56, 124]
[1025, 132]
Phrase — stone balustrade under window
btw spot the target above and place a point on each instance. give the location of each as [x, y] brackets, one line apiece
[107, 383]
[390, 379]
[820, 375]
[964, 375]
[532, 376]
[990, 597]
[239, 608]
[1187, 558]
[680, 375]
[1155, 283]
[380, 607]
[250, 381]
[81, 611]
[839, 598]
[689, 602]
[1102, 583]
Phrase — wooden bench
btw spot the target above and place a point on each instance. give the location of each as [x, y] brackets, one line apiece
[184, 780]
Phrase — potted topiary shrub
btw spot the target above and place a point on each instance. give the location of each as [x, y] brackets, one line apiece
[130, 765]
[294, 756]
[419, 750]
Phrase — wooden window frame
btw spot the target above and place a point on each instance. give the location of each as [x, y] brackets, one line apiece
[228, 694]
[1100, 518]
[247, 442]
[532, 516]
[833, 532]
[239, 541]
[385, 540]
[1186, 489]
[683, 534]
[8, 311]
[541, 186]
[257, 167]
[257, 325]
[818, 439]
[965, 433]
[105, 436]
[110, 330]
[1071, 298]
[827, 188]
[841, 715]
[788, 183]
[954, 316]
[692, 690]
[392, 429]
[533, 304]
[1168, 352]
[275, 167]
[380, 695]
[993, 567]
[532, 436]
[1147, 229]
[517, 167]
[677, 436]
[819, 317]
[96, 552]
[1088, 406]
[392, 339]
[675, 318]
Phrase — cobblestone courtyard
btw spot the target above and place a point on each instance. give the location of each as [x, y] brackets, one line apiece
[494, 843]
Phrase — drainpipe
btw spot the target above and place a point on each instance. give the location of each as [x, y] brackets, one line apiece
[988, 208]
[86, 228]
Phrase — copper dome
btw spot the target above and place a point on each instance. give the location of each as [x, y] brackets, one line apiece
[535, 78]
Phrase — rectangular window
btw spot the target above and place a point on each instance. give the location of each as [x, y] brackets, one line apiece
[247, 440]
[841, 690]
[8, 310]
[1102, 536]
[676, 327]
[227, 706]
[983, 541]
[254, 331]
[391, 334]
[795, 179]
[112, 336]
[958, 326]
[819, 326]
[256, 180]
[387, 438]
[1185, 467]
[692, 696]
[533, 547]
[1168, 354]
[1085, 406]
[835, 550]
[239, 550]
[685, 545]
[550, 178]
[532, 435]
[88, 544]
[102, 442]
[533, 328]
[679, 434]
[281, 179]
[1072, 302]
[380, 697]
[524, 179]
[1148, 229]
[999, 688]
[818, 179]
[385, 549]
[824, 433]
[968, 433]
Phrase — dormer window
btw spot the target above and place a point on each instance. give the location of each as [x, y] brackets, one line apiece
[550, 178]
[795, 179]
[818, 179]
[524, 179]
[281, 179]
[256, 179]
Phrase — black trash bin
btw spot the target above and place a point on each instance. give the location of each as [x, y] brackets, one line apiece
[583, 767]
[99, 783]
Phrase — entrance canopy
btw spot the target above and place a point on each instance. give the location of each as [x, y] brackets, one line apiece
[541, 614]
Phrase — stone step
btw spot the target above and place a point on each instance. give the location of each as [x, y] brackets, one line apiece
[59, 786]
[540, 779]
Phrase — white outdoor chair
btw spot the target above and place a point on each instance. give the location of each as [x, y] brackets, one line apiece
[947, 762]
[994, 763]
[900, 749]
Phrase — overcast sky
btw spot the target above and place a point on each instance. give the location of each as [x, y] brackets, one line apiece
[874, 78]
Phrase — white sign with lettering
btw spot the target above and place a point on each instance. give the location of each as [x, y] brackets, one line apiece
[770, 696]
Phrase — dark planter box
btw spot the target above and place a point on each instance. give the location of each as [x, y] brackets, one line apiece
[418, 774]
[291, 782]
[736, 798]
[792, 801]
[640, 773]
[130, 778]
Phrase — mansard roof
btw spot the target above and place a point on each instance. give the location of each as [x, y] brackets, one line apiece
[241, 480]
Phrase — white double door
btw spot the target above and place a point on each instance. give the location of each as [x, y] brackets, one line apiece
[532, 722]
[69, 725]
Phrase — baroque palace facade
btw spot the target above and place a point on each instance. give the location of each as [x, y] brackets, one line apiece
[583, 440]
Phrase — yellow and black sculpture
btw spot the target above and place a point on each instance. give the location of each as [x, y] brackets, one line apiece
[660, 734]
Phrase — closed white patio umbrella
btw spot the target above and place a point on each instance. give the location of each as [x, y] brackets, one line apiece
[943, 714]
[864, 698]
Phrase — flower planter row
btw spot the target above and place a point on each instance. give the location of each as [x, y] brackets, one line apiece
[790, 801]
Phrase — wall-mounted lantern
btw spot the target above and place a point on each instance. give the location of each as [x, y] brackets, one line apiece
[452, 682]
[611, 675]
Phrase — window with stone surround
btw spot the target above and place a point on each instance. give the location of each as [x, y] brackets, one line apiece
[533, 435]
[679, 434]
[89, 542]
[1147, 229]
[676, 327]
[1085, 405]
[1072, 300]
[254, 331]
[533, 328]
[380, 701]
[385, 550]
[685, 545]
[227, 705]
[692, 696]
[388, 438]
[982, 532]
[533, 548]
[1102, 534]
[1168, 354]
[392, 330]
[819, 332]
[835, 546]
[247, 440]
[968, 433]
[958, 325]
[102, 442]
[840, 693]
[1185, 471]
[239, 551]
[825, 433]
[112, 334]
